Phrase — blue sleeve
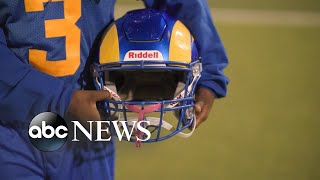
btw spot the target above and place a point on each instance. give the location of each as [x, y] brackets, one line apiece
[195, 14]
[25, 91]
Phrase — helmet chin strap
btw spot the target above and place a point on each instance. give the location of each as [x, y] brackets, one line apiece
[142, 112]
[154, 121]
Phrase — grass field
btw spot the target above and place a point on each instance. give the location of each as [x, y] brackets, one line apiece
[268, 126]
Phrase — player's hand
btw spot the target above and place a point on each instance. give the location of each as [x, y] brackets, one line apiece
[83, 104]
[204, 100]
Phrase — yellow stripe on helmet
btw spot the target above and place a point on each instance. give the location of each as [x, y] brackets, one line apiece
[180, 44]
[109, 49]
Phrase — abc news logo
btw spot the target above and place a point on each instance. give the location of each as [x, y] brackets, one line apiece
[48, 131]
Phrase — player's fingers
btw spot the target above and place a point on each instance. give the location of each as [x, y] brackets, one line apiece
[198, 106]
[91, 115]
[100, 95]
[199, 112]
[96, 116]
[202, 116]
[199, 120]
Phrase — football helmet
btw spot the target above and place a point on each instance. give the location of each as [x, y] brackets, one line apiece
[149, 63]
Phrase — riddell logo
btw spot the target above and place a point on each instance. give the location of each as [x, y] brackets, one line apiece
[143, 55]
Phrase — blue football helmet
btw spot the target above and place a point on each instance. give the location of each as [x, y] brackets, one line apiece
[149, 63]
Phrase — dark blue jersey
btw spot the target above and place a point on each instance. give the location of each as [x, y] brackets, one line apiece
[44, 48]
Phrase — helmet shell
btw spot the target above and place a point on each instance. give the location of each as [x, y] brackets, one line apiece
[148, 58]
[147, 34]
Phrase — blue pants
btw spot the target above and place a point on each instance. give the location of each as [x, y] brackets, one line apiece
[75, 160]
